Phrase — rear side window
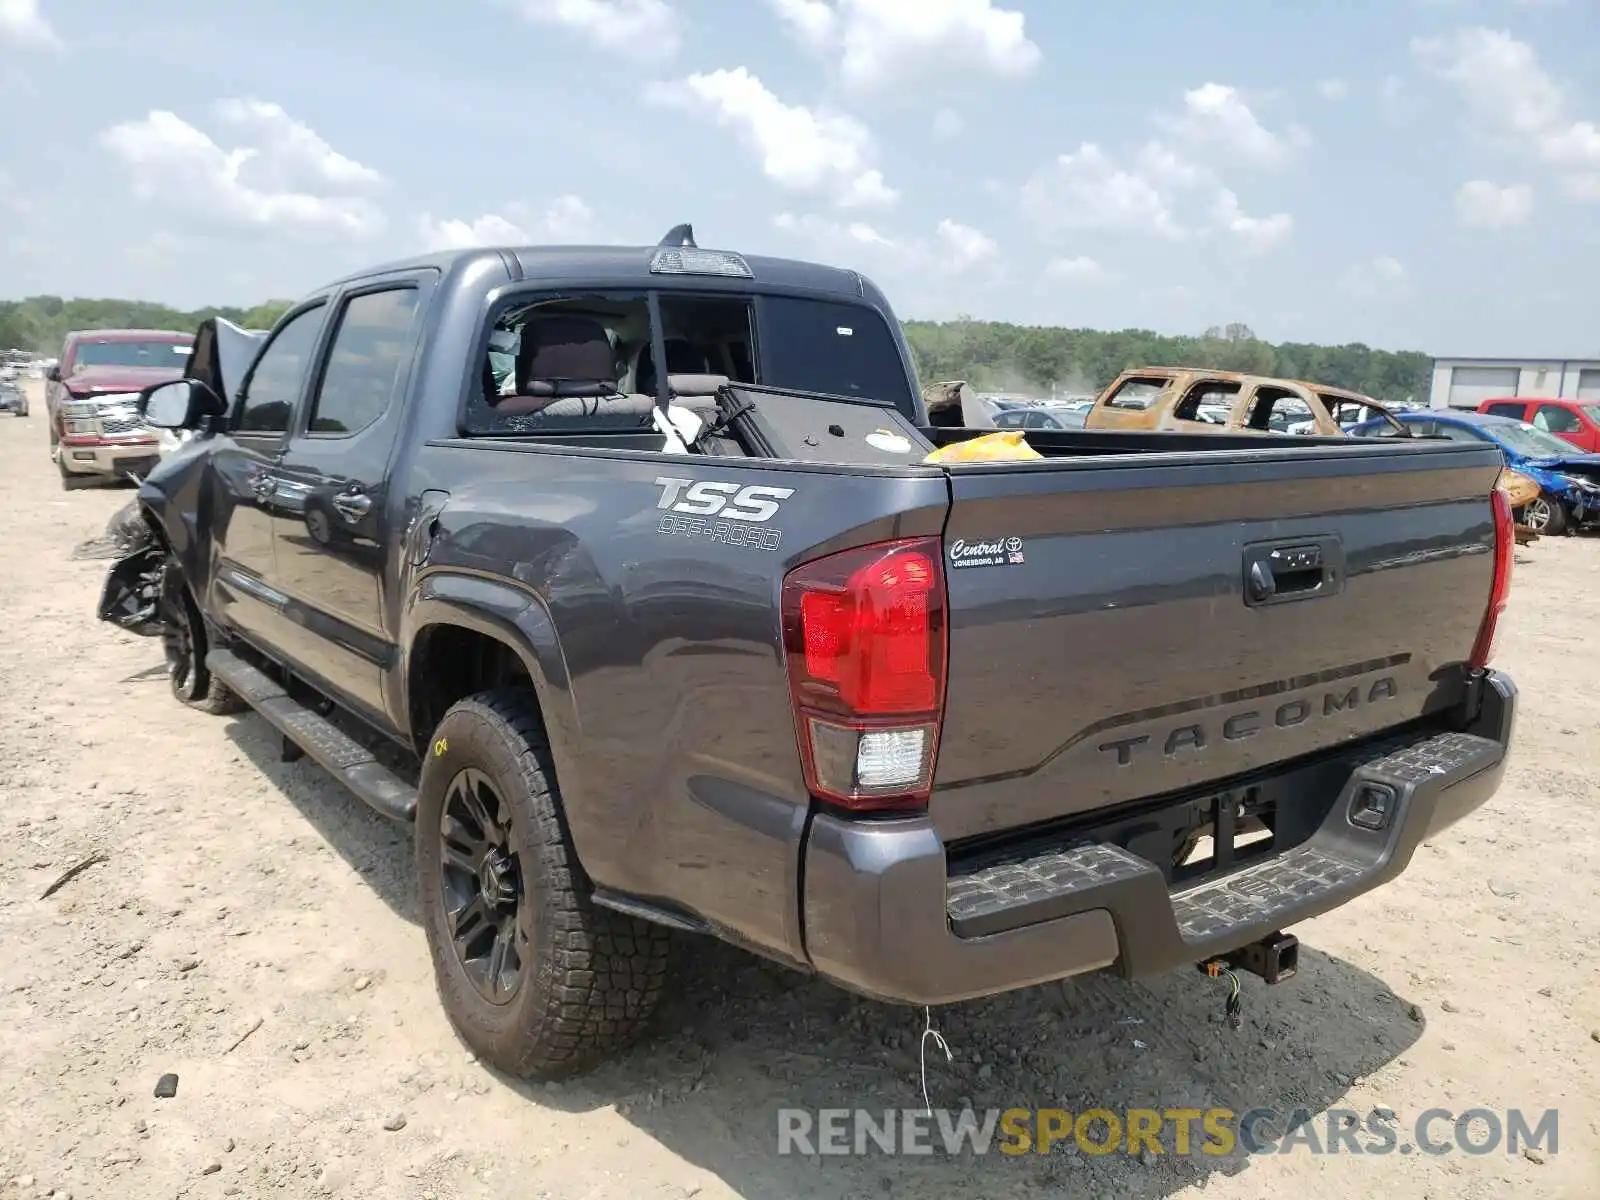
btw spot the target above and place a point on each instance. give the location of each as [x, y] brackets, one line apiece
[1207, 394]
[1137, 394]
[1456, 433]
[374, 342]
[1277, 409]
[1553, 418]
[831, 347]
[278, 376]
[1506, 410]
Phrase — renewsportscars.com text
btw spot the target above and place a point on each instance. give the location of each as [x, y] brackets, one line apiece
[1181, 1132]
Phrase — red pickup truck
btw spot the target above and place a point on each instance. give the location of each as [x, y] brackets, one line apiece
[1575, 421]
[91, 397]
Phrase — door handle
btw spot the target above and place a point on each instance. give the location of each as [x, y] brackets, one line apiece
[353, 506]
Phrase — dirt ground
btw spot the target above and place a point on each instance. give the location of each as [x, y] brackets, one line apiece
[242, 897]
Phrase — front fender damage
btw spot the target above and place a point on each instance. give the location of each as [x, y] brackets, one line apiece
[130, 598]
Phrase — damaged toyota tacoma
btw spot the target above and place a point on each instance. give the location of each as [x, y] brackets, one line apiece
[622, 575]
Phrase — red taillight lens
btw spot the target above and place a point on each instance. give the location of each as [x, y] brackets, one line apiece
[1500, 588]
[864, 631]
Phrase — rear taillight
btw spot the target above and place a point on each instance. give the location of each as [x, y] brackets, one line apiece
[864, 633]
[1500, 589]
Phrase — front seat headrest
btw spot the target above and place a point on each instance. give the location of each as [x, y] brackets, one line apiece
[683, 358]
[565, 356]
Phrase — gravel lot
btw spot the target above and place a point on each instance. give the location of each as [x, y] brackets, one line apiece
[244, 897]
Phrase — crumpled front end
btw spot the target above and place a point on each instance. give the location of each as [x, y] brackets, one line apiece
[1579, 492]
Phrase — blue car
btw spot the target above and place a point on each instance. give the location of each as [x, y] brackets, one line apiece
[1570, 483]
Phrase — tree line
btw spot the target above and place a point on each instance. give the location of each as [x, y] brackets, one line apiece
[991, 355]
[994, 356]
[40, 323]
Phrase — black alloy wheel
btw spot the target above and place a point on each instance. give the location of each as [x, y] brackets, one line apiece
[485, 899]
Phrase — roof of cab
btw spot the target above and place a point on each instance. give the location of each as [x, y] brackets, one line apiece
[627, 263]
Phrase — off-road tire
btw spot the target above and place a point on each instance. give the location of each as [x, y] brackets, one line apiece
[595, 975]
[194, 685]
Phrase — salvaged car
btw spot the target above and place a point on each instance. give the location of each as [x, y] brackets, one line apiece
[646, 650]
[12, 397]
[1200, 401]
[1574, 421]
[91, 399]
[1569, 481]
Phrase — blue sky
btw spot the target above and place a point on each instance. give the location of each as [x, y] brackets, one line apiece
[1413, 174]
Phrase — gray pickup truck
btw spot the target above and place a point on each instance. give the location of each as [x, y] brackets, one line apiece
[621, 574]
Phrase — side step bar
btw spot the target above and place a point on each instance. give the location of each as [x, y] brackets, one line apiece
[351, 763]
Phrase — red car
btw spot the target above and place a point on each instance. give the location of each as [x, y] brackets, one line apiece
[1575, 421]
[96, 435]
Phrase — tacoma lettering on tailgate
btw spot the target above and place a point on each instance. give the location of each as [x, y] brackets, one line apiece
[1236, 727]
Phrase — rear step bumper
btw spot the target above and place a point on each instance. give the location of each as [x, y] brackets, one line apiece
[883, 917]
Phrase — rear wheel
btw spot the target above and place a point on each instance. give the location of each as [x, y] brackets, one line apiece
[185, 640]
[538, 980]
[1546, 515]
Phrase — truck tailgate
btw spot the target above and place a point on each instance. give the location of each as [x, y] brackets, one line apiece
[1128, 628]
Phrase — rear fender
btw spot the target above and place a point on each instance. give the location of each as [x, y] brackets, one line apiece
[518, 620]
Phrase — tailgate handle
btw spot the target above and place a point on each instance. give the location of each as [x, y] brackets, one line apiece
[1277, 574]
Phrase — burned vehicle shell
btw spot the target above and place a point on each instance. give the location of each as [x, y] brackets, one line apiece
[1194, 400]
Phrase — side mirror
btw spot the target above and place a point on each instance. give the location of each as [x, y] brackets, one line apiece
[179, 404]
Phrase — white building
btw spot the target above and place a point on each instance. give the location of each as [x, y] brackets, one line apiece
[1467, 382]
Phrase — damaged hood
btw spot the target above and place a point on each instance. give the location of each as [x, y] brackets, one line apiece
[222, 353]
[1578, 466]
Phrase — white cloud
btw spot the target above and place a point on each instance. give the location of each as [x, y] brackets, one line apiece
[1077, 269]
[1333, 89]
[1583, 187]
[964, 245]
[284, 176]
[1484, 205]
[1215, 116]
[567, 220]
[812, 22]
[953, 251]
[1170, 187]
[827, 232]
[823, 153]
[1513, 100]
[22, 24]
[1380, 278]
[947, 123]
[1161, 193]
[644, 30]
[1088, 190]
[1165, 167]
[881, 43]
[1255, 235]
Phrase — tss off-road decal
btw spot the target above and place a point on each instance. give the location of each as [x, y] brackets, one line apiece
[730, 513]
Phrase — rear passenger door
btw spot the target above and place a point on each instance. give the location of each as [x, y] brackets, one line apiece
[336, 511]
